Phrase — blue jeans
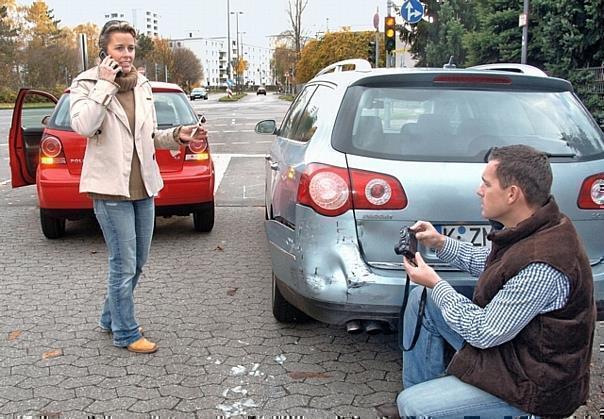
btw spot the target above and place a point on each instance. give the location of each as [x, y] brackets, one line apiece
[428, 391]
[128, 228]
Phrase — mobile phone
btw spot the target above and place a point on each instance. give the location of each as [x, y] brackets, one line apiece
[103, 55]
[201, 120]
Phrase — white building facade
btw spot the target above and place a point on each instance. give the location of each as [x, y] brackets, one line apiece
[144, 21]
[213, 55]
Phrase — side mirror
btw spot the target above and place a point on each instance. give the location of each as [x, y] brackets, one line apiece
[268, 126]
[45, 120]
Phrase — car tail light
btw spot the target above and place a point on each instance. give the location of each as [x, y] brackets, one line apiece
[51, 151]
[591, 195]
[332, 191]
[197, 151]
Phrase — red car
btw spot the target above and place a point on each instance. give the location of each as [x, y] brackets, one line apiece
[45, 150]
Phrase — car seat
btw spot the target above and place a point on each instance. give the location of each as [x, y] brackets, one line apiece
[369, 134]
[166, 116]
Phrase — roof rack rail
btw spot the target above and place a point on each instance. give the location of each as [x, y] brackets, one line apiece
[358, 64]
[512, 67]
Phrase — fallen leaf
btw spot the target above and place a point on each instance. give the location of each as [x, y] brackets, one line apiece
[231, 291]
[52, 354]
[301, 375]
[14, 334]
[219, 247]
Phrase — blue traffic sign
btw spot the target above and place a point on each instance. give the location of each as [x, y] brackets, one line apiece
[412, 11]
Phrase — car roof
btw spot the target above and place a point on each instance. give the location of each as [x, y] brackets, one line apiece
[523, 76]
[160, 86]
[156, 86]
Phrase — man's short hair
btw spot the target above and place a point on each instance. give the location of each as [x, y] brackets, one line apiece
[114, 26]
[525, 167]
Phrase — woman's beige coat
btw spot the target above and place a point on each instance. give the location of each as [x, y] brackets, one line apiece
[98, 115]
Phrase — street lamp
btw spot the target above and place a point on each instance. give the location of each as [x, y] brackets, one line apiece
[237, 13]
[229, 67]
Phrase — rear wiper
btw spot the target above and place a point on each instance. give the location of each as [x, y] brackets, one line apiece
[566, 155]
[569, 155]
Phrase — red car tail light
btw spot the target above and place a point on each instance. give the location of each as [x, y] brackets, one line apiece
[332, 191]
[51, 151]
[591, 195]
[197, 151]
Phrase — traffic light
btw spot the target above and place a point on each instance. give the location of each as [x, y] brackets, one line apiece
[390, 33]
[371, 52]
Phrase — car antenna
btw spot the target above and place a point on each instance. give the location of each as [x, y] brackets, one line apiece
[450, 63]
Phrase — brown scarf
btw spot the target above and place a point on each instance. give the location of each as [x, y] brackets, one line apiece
[127, 81]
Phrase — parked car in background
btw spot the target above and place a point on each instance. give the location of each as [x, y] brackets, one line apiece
[362, 153]
[261, 91]
[45, 151]
[199, 93]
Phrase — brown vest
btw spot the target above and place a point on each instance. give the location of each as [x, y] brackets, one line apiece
[544, 370]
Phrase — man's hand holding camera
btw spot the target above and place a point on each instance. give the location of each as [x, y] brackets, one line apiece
[420, 272]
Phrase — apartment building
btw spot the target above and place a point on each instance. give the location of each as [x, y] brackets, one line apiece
[213, 55]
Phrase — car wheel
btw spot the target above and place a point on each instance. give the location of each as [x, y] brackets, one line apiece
[52, 227]
[283, 311]
[203, 220]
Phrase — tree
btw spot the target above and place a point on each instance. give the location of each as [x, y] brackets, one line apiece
[294, 12]
[92, 32]
[283, 62]
[498, 38]
[50, 58]
[8, 53]
[144, 47]
[441, 34]
[333, 47]
[566, 38]
[159, 60]
[187, 70]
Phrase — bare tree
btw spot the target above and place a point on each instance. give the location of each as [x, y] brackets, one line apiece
[296, 33]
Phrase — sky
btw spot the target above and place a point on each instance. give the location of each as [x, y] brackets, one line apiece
[208, 18]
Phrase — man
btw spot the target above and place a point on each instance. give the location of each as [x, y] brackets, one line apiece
[523, 344]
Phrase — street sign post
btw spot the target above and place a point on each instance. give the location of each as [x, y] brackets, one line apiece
[412, 11]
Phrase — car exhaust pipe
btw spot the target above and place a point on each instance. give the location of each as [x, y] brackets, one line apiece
[354, 327]
[374, 327]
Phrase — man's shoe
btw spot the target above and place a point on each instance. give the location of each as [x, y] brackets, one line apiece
[142, 346]
[388, 410]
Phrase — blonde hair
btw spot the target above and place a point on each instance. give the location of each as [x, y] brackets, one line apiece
[114, 26]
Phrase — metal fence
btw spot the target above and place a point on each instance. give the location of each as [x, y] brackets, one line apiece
[596, 81]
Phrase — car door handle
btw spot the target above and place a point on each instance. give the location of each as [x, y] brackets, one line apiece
[273, 164]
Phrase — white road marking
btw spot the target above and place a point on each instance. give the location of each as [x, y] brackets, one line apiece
[221, 163]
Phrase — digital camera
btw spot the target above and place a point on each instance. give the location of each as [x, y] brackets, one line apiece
[407, 244]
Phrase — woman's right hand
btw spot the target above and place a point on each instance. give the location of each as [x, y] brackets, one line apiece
[427, 235]
[108, 69]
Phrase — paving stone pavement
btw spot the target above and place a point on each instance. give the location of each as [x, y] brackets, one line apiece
[205, 299]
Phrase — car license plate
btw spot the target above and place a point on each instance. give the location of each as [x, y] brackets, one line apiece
[475, 234]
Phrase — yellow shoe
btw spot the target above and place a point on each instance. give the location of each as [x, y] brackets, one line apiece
[142, 346]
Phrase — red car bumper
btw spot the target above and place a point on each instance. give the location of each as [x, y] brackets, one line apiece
[58, 191]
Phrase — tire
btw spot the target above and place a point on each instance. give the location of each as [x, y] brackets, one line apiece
[52, 227]
[283, 311]
[203, 219]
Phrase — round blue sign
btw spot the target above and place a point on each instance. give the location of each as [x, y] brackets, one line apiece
[412, 11]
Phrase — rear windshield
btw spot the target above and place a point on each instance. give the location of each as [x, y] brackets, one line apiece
[172, 109]
[462, 125]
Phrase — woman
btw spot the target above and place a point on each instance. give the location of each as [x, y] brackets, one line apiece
[112, 105]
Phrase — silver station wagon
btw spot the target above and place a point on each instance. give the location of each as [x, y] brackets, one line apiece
[363, 152]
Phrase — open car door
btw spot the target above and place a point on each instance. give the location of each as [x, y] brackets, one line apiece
[27, 126]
